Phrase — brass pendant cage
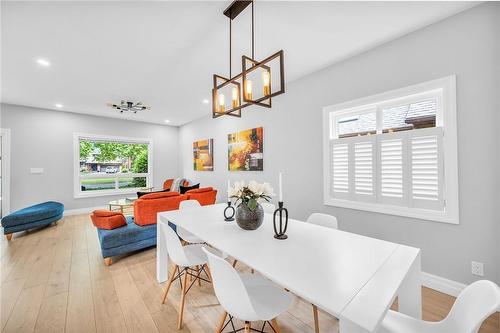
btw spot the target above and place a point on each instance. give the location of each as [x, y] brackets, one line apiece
[240, 87]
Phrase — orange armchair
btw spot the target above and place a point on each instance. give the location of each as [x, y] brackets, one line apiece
[147, 206]
[204, 195]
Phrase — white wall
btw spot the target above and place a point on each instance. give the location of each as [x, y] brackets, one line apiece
[466, 45]
[44, 139]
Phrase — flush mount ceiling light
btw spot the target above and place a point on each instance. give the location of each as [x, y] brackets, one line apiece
[43, 62]
[129, 106]
[58, 105]
[258, 81]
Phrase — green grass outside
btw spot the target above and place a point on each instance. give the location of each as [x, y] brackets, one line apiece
[103, 181]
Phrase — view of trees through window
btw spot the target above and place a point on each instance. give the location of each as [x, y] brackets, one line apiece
[112, 165]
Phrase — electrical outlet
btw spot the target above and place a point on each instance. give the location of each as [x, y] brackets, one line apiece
[477, 268]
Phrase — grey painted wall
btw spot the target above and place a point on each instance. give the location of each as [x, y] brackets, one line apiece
[466, 45]
[44, 138]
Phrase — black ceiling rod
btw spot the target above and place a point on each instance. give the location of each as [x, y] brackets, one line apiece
[253, 37]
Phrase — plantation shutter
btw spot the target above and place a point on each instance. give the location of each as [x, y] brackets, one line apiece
[364, 157]
[340, 186]
[426, 164]
[402, 168]
[392, 173]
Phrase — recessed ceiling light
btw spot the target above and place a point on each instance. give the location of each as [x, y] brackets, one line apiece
[43, 62]
[167, 121]
[58, 105]
[206, 101]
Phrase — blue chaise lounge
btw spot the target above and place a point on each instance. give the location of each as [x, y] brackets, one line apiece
[32, 217]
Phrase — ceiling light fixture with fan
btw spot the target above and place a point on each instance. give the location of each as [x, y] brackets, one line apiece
[256, 91]
[126, 106]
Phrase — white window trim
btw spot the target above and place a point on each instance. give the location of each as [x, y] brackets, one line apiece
[5, 133]
[78, 193]
[447, 118]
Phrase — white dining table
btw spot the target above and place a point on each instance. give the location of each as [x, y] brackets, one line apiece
[352, 277]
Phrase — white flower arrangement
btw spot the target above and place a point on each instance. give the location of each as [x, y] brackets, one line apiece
[249, 195]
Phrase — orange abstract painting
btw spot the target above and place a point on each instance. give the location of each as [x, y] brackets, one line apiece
[203, 155]
[245, 150]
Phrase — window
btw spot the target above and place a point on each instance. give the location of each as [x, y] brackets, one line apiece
[111, 165]
[395, 152]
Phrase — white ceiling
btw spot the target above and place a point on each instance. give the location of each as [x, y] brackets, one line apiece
[165, 53]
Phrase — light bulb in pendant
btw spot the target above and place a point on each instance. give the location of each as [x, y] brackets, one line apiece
[266, 80]
[235, 100]
[222, 103]
[248, 86]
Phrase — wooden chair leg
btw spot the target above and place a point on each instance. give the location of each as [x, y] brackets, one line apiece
[208, 272]
[169, 284]
[8, 236]
[183, 300]
[316, 319]
[235, 262]
[221, 322]
[247, 327]
[274, 324]
[108, 261]
[198, 272]
[251, 270]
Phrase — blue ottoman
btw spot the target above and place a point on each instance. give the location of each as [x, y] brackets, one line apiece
[32, 217]
[131, 237]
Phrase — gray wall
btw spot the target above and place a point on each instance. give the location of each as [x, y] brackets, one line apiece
[466, 45]
[43, 138]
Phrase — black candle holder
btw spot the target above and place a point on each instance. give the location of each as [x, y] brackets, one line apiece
[229, 217]
[282, 221]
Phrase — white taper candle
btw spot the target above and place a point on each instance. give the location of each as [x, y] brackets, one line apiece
[228, 187]
[280, 199]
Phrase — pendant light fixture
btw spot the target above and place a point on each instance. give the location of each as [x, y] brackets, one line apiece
[258, 81]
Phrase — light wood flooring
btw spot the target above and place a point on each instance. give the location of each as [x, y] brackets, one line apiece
[54, 280]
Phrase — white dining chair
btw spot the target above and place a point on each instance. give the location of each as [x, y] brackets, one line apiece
[185, 235]
[248, 297]
[189, 260]
[268, 207]
[328, 221]
[474, 304]
[324, 220]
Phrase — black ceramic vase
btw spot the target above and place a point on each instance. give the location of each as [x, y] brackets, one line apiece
[248, 219]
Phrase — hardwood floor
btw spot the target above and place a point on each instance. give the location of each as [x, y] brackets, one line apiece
[54, 280]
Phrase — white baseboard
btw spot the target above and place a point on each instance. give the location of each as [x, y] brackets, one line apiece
[78, 211]
[441, 284]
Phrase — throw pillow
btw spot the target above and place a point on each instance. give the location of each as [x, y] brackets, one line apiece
[108, 220]
[184, 189]
[140, 194]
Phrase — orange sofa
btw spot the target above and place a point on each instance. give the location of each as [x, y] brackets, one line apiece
[148, 206]
[204, 195]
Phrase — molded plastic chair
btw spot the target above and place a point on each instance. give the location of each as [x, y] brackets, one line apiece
[186, 235]
[248, 297]
[184, 258]
[268, 207]
[324, 220]
[327, 221]
[474, 304]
